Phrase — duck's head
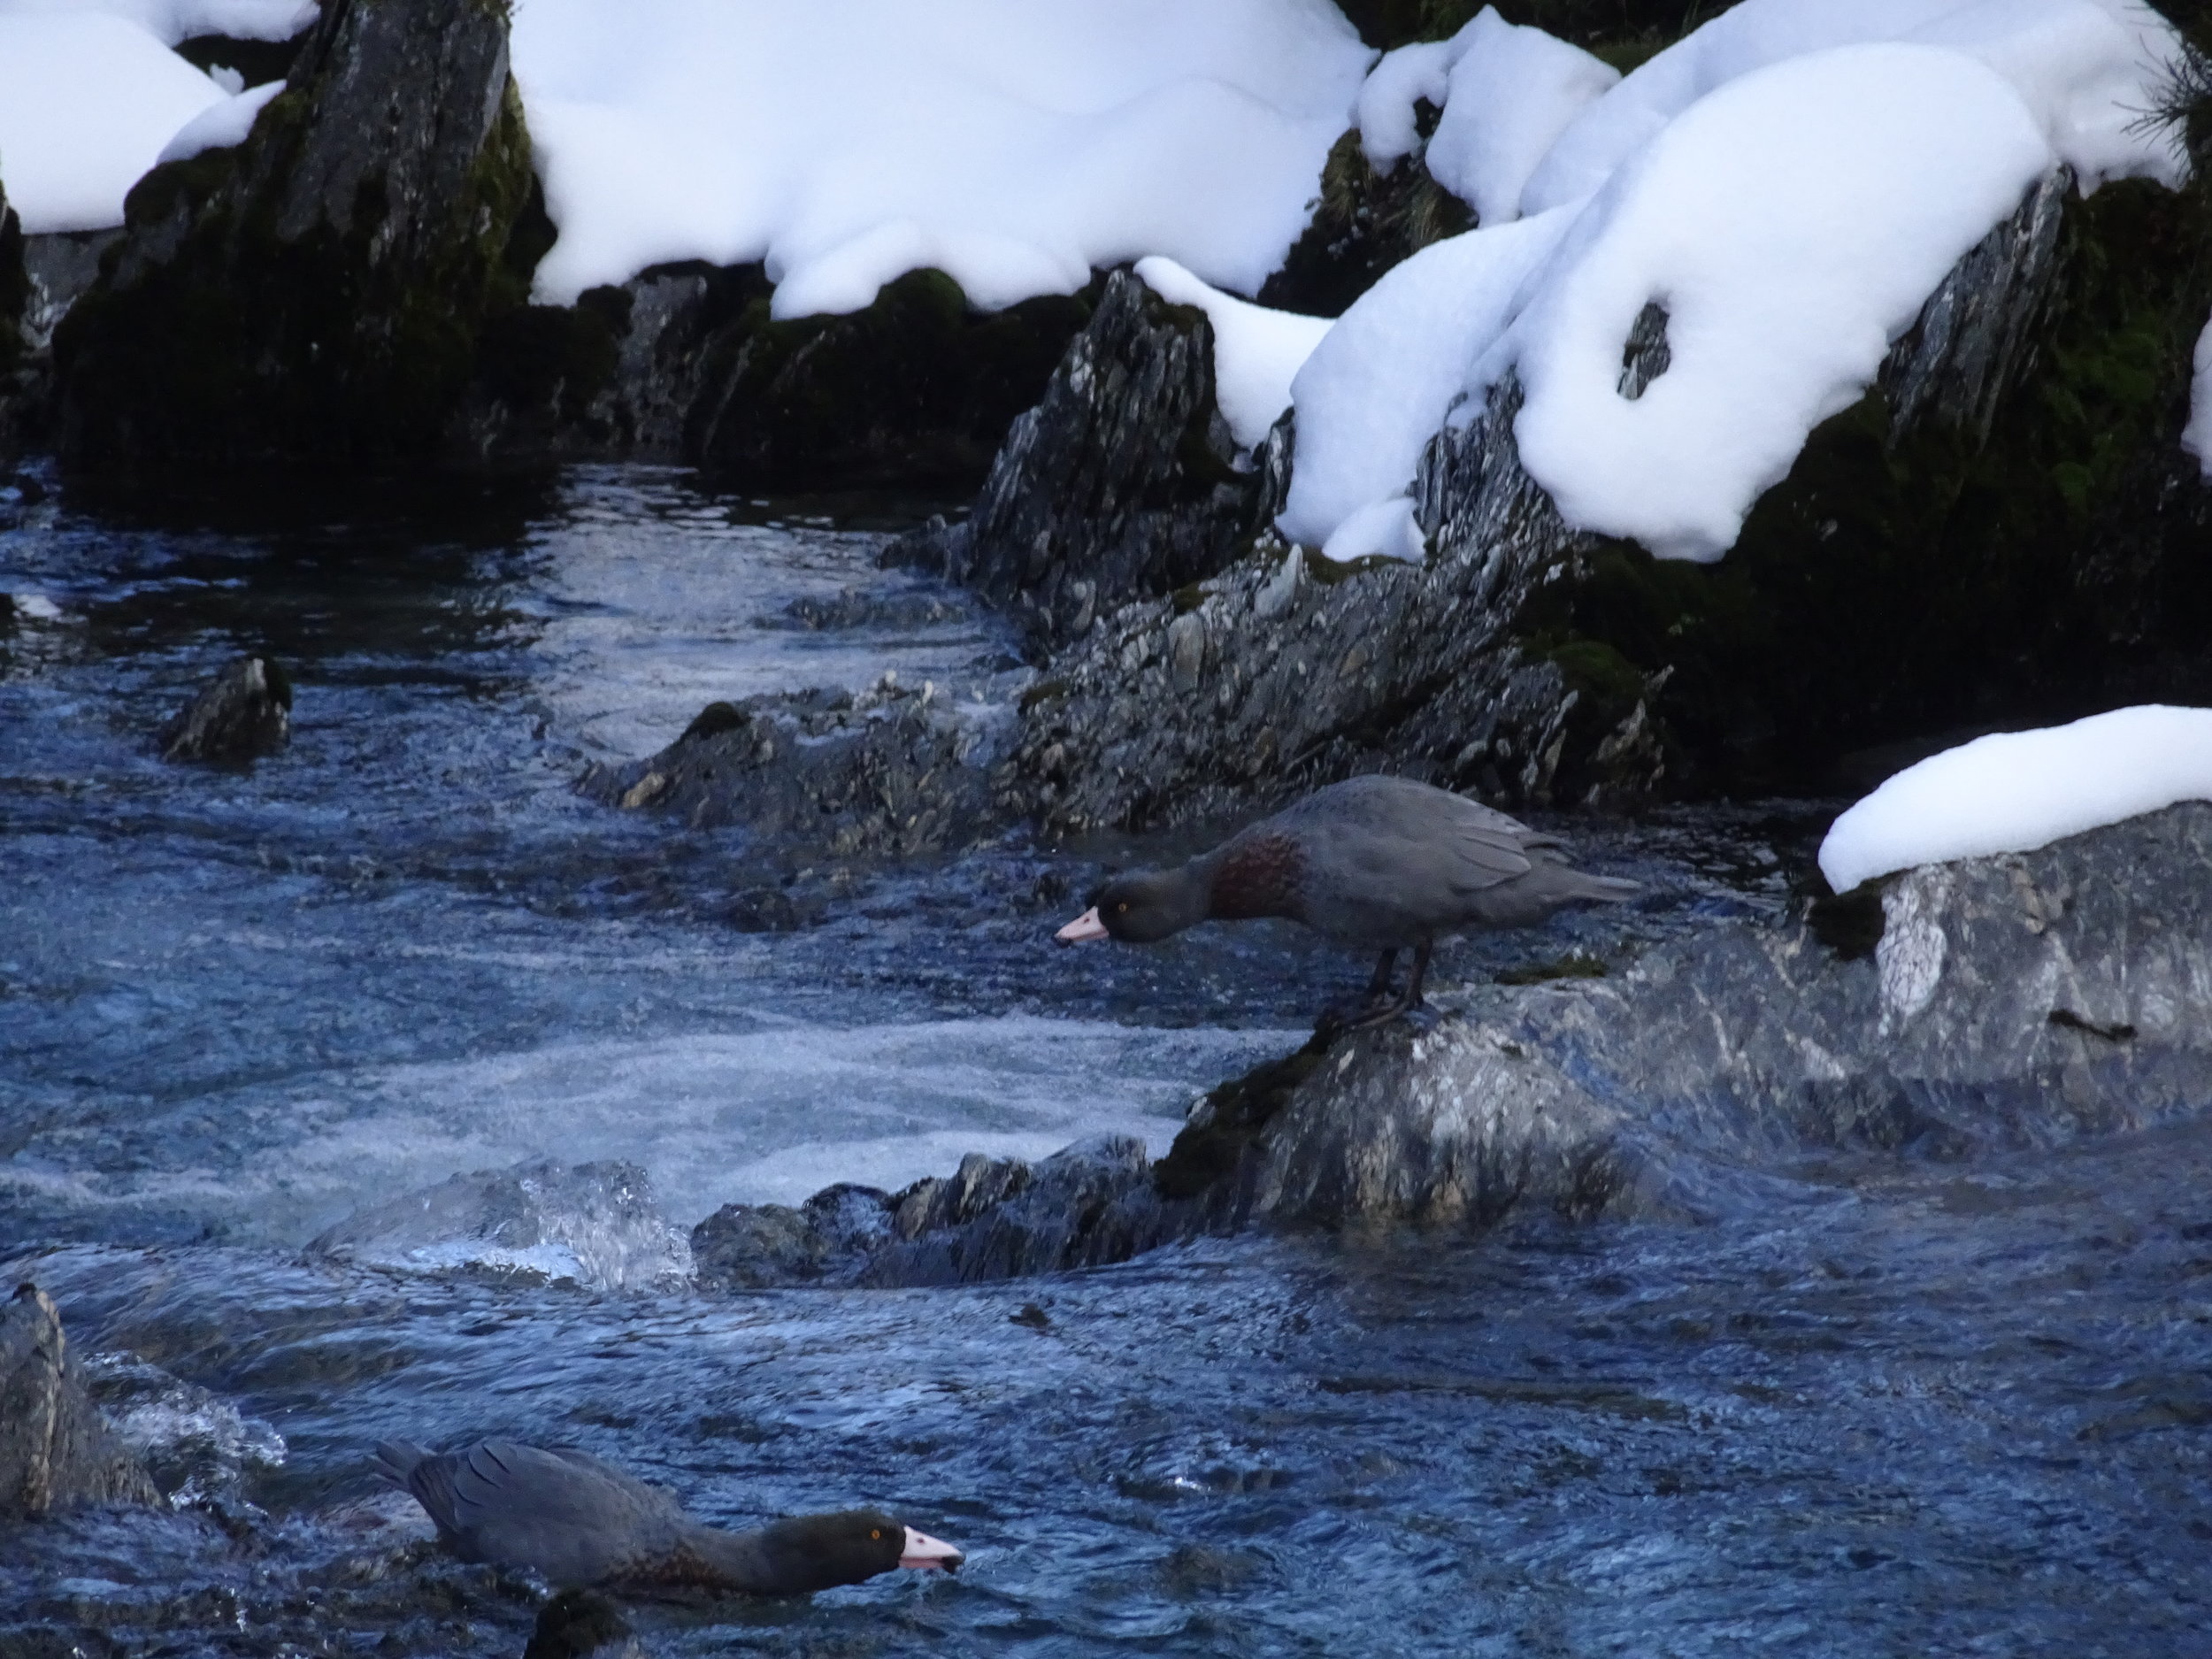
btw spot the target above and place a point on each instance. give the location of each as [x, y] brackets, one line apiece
[1141, 908]
[817, 1552]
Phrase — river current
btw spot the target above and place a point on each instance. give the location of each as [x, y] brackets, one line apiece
[1885, 1408]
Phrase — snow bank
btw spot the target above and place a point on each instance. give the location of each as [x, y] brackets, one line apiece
[1378, 384]
[220, 126]
[87, 102]
[1512, 92]
[2196, 437]
[2022, 790]
[1788, 183]
[1013, 145]
[1791, 225]
[2082, 67]
[1257, 350]
[170, 21]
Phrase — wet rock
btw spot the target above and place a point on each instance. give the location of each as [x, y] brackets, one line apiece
[893, 770]
[577, 1624]
[1532, 664]
[826, 1239]
[2009, 1002]
[55, 1452]
[1123, 481]
[244, 713]
[316, 293]
[916, 390]
[197, 1446]
[992, 1218]
[595, 1224]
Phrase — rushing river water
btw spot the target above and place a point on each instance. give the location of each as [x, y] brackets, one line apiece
[1888, 1409]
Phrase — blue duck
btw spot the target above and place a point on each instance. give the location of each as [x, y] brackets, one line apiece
[579, 1521]
[1373, 864]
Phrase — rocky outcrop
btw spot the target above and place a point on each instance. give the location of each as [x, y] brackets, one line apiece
[2007, 1002]
[55, 1452]
[317, 293]
[685, 363]
[1929, 562]
[1124, 481]
[15, 299]
[243, 714]
[893, 771]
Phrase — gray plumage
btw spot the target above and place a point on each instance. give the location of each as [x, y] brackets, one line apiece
[579, 1521]
[1373, 864]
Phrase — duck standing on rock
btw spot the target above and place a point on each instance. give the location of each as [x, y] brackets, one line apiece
[579, 1521]
[1374, 863]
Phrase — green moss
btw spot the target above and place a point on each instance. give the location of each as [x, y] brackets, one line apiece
[1233, 1114]
[1894, 586]
[1574, 966]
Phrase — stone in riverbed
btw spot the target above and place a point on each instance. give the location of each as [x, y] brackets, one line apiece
[55, 1452]
[245, 713]
[1124, 481]
[2011, 1002]
[315, 294]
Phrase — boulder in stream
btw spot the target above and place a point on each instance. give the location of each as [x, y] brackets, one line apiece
[244, 713]
[56, 1451]
[315, 294]
[1992, 1003]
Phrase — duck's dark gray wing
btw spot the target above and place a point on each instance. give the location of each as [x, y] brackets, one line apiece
[565, 1513]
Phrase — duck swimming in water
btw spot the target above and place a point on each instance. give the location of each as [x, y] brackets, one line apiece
[1373, 864]
[579, 1521]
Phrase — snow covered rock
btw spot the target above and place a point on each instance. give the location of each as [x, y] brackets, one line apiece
[55, 1452]
[2016, 791]
[317, 291]
[1122, 481]
[242, 713]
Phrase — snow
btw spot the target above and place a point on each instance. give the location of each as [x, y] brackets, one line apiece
[1791, 225]
[1378, 384]
[87, 102]
[1257, 350]
[1382, 529]
[2021, 790]
[1385, 113]
[1788, 184]
[2082, 66]
[1013, 146]
[2196, 437]
[170, 21]
[1511, 93]
[220, 126]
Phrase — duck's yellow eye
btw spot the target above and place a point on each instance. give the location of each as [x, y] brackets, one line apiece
[876, 1532]
[1122, 908]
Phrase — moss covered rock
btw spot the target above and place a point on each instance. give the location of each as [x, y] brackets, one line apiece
[2002, 532]
[318, 293]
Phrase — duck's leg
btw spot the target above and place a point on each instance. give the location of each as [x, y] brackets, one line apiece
[1413, 1003]
[1373, 1007]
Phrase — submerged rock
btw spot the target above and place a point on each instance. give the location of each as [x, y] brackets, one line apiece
[56, 1451]
[1123, 481]
[244, 713]
[1924, 565]
[1999, 1002]
[893, 770]
[316, 293]
[595, 1224]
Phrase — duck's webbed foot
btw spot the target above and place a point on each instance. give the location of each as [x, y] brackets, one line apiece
[1377, 1004]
